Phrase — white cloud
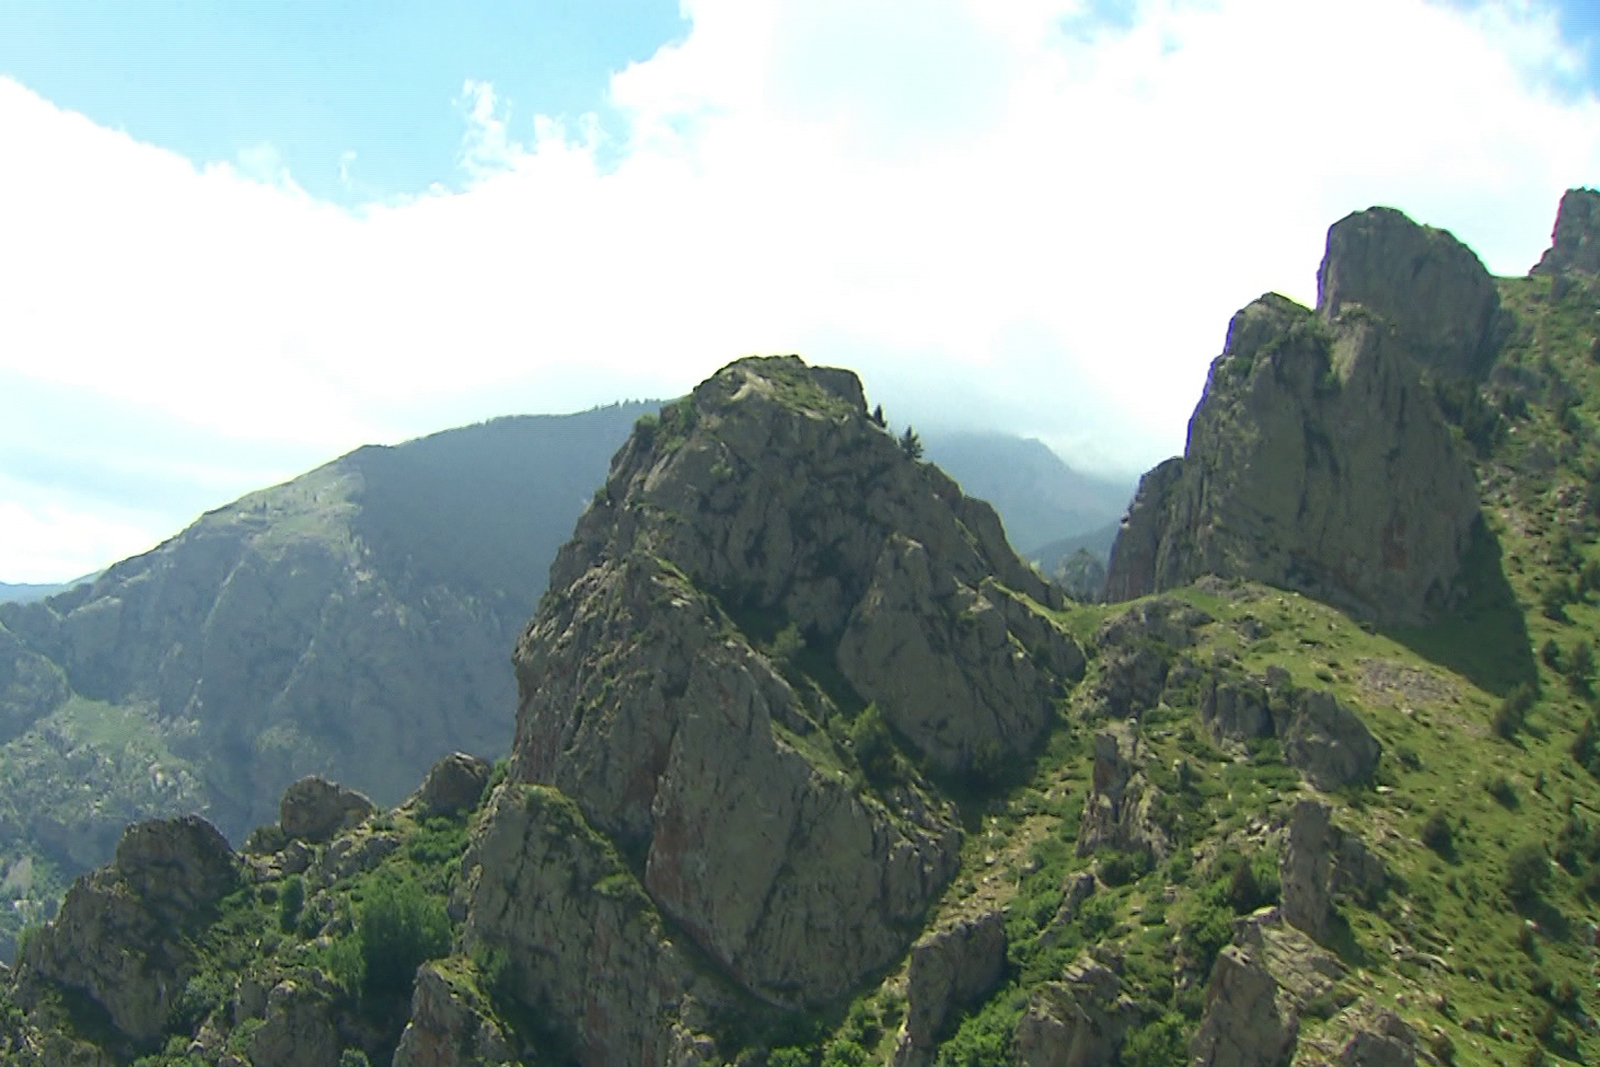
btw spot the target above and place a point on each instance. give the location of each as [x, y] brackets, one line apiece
[975, 209]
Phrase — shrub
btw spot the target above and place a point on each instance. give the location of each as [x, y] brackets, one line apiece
[1161, 1043]
[872, 746]
[1527, 873]
[353, 1057]
[1512, 714]
[290, 900]
[1580, 666]
[1437, 835]
[1500, 787]
[399, 926]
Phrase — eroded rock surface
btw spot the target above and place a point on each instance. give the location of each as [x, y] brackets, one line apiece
[762, 561]
[1321, 861]
[1317, 459]
[120, 935]
[950, 969]
[314, 809]
[1575, 244]
[1258, 989]
[1078, 1021]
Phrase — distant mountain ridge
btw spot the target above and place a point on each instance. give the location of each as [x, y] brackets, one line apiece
[354, 622]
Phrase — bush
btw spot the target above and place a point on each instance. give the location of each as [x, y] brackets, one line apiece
[1512, 715]
[1162, 1043]
[1580, 666]
[1527, 873]
[1437, 835]
[353, 1057]
[290, 900]
[872, 746]
[399, 926]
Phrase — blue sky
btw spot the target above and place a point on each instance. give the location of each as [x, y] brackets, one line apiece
[242, 238]
[358, 99]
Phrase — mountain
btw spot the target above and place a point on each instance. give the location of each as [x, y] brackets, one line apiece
[1040, 498]
[810, 769]
[354, 621]
[24, 592]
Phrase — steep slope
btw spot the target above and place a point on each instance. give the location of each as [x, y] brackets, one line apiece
[1261, 830]
[1317, 458]
[767, 599]
[355, 621]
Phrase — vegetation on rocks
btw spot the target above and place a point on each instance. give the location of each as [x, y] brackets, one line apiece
[1223, 823]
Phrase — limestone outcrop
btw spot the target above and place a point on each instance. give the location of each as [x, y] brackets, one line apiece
[120, 936]
[1432, 290]
[1317, 458]
[1078, 1021]
[1118, 813]
[951, 969]
[1258, 990]
[1321, 862]
[1575, 243]
[763, 561]
[451, 1026]
[580, 940]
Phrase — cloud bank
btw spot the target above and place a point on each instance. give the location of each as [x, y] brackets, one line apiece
[1035, 216]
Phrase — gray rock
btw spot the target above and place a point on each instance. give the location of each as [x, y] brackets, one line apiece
[1327, 742]
[1236, 709]
[1437, 296]
[1079, 1021]
[950, 969]
[298, 1031]
[122, 935]
[1118, 811]
[314, 809]
[761, 560]
[1575, 244]
[584, 946]
[455, 784]
[451, 1026]
[1317, 459]
[1321, 861]
[1257, 991]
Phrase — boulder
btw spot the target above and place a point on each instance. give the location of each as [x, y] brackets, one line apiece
[951, 969]
[314, 809]
[454, 785]
[1575, 243]
[1386, 1041]
[1078, 1021]
[1327, 742]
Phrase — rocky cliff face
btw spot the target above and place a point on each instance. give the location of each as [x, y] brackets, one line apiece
[1317, 459]
[1575, 243]
[352, 622]
[767, 619]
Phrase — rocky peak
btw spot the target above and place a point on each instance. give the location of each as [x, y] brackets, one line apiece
[1575, 243]
[768, 615]
[1429, 287]
[1317, 459]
